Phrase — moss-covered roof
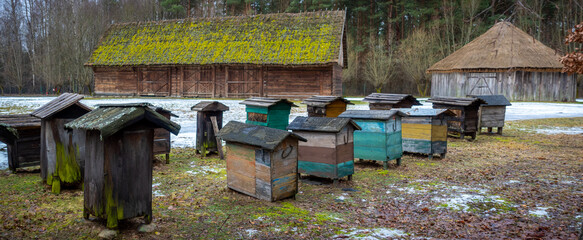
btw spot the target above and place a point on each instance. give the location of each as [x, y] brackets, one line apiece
[276, 39]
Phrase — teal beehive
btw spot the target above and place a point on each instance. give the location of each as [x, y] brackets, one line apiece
[380, 136]
[268, 112]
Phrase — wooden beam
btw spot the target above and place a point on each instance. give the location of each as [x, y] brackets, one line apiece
[216, 130]
[214, 77]
[226, 81]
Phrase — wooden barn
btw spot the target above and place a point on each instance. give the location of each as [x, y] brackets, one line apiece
[61, 151]
[162, 143]
[21, 134]
[425, 130]
[329, 151]
[293, 55]
[326, 106]
[387, 101]
[504, 61]
[261, 162]
[269, 112]
[465, 121]
[380, 136]
[205, 134]
[119, 155]
[492, 113]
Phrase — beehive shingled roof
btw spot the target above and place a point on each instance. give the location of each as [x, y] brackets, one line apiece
[58, 104]
[322, 101]
[501, 48]
[390, 98]
[321, 124]
[278, 39]
[264, 137]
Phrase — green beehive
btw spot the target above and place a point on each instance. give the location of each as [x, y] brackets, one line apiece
[268, 112]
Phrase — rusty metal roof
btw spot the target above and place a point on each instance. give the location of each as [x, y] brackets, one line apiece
[255, 135]
[493, 100]
[390, 98]
[456, 101]
[425, 112]
[111, 118]
[371, 114]
[321, 124]
[265, 102]
[58, 104]
[205, 106]
[322, 101]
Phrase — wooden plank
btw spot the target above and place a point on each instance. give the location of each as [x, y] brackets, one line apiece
[317, 139]
[216, 130]
[417, 131]
[439, 133]
[284, 186]
[345, 153]
[317, 154]
[241, 182]
[262, 172]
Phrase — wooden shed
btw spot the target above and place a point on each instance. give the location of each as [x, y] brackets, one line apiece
[205, 134]
[329, 151]
[465, 121]
[291, 55]
[261, 162]
[269, 112]
[504, 61]
[326, 106]
[425, 130]
[21, 134]
[387, 101]
[380, 135]
[492, 113]
[162, 143]
[119, 155]
[61, 151]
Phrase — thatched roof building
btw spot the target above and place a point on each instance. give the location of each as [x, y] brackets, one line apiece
[241, 56]
[505, 60]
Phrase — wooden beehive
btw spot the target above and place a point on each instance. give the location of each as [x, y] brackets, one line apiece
[162, 143]
[329, 151]
[326, 106]
[261, 162]
[268, 112]
[205, 134]
[493, 112]
[387, 101]
[465, 121]
[119, 155]
[21, 134]
[61, 157]
[425, 130]
[380, 135]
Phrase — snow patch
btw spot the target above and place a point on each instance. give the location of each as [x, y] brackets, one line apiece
[157, 193]
[512, 182]
[372, 234]
[205, 170]
[560, 130]
[539, 212]
[251, 232]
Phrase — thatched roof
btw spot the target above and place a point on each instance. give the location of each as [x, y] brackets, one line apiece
[310, 38]
[504, 47]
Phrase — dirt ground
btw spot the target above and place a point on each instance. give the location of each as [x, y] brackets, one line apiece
[521, 185]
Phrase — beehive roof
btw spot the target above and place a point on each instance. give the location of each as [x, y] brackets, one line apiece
[209, 106]
[111, 118]
[390, 98]
[456, 101]
[255, 135]
[424, 112]
[493, 100]
[58, 104]
[276, 39]
[321, 124]
[322, 101]
[20, 120]
[266, 102]
[501, 48]
[371, 114]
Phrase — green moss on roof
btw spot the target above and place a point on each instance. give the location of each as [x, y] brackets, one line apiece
[279, 39]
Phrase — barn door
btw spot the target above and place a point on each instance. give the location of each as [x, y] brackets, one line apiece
[155, 83]
[483, 84]
[198, 82]
[243, 82]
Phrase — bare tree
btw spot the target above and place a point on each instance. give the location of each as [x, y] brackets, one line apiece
[417, 53]
[379, 68]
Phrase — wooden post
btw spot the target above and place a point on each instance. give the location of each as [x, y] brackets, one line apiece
[216, 130]
[214, 78]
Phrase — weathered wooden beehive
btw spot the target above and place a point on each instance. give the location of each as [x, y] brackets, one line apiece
[386, 101]
[261, 162]
[21, 134]
[61, 151]
[269, 112]
[326, 106]
[329, 151]
[493, 112]
[119, 155]
[465, 121]
[380, 135]
[162, 143]
[205, 134]
[425, 130]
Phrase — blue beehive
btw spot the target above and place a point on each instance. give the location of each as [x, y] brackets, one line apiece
[380, 137]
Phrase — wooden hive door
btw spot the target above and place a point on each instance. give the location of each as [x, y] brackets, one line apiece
[241, 169]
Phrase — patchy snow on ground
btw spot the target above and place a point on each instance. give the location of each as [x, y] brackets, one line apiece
[372, 234]
[251, 232]
[205, 170]
[539, 212]
[560, 130]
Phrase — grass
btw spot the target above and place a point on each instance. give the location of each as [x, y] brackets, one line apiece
[521, 169]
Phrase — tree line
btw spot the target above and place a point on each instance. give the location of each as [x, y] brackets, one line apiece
[45, 43]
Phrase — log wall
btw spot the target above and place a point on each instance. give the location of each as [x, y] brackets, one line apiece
[233, 81]
[514, 85]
